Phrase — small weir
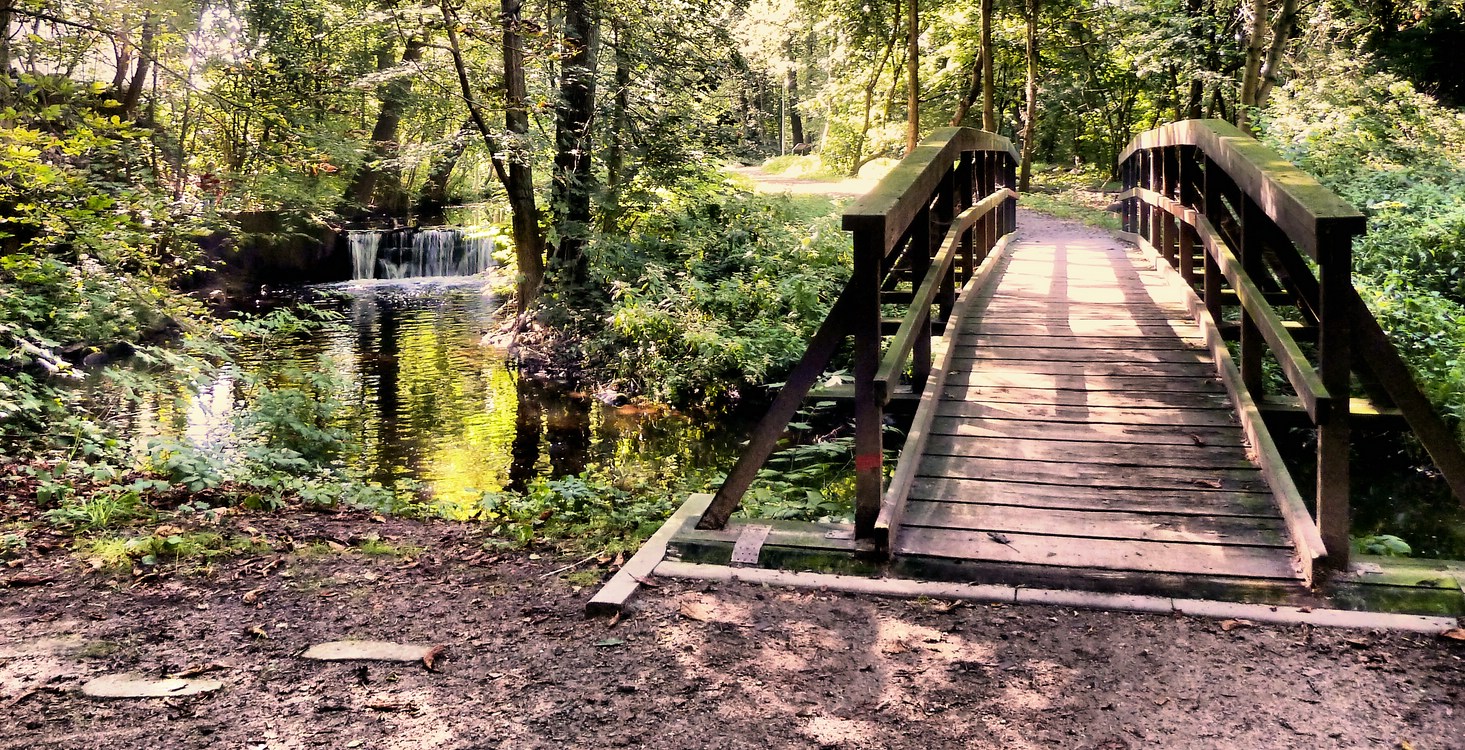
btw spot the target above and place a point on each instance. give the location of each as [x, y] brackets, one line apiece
[419, 253]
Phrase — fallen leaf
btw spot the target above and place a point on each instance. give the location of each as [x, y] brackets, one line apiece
[18, 581]
[336, 546]
[1454, 634]
[1230, 625]
[251, 596]
[696, 611]
[430, 658]
[609, 643]
[385, 705]
[257, 632]
[325, 593]
[898, 647]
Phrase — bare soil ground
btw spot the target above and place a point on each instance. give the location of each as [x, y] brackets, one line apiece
[695, 666]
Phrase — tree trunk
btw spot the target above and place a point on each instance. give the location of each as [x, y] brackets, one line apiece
[1030, 116]
[1282, 32]
[393, 96]
[859, 158]
[572, 181]
[133, 95]
[1251, 70]
[989, 112]
[913, 77]
[434, 196]
[973, 93]
[615, 155]
[519, 182]
[795, 120]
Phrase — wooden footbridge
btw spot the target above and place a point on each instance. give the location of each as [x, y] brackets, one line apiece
[1093, 414]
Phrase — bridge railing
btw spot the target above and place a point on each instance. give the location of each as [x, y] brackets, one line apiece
[1204, 184]
[928, 226]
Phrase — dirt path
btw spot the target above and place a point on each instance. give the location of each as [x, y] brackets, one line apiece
[772, 183]
[696, 666]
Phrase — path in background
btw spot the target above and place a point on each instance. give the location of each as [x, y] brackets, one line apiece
[776, 183]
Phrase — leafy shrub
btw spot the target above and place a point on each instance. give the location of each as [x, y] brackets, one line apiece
[714, 289]
[1399, 157]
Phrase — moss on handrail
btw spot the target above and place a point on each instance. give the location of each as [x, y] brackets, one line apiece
[893, 203]
[1312, 215]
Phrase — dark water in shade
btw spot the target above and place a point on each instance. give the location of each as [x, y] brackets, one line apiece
[427, 400]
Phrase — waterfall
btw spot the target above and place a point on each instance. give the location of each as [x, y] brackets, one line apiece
[417, 253]
[364, 246]
[477, 255]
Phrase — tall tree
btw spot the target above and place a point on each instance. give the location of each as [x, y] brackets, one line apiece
[913, 76]
[989, 89]
[1030, 113]
[572, 182]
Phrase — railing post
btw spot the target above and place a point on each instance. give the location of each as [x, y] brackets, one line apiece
[869, 411]
[1212, 212]
[965, 194]
[1171, 238]
[1250, 248]
[920, 258]
[1335, 281]
[946, 210]
[1186, 174]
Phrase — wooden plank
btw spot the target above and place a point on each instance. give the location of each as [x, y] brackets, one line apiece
[612, 597]
[1141, 433]
[1180, 418]
[1060, 354]
[1031, 381]
[1189, 370]
[1094, 475]
[950, 490]
[1157, 399]
[1120, 345]
[1099, 524]
[1084, 327]
[1113, 454]
[1103, 554]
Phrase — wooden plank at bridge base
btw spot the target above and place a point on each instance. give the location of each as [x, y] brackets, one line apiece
[612, 597]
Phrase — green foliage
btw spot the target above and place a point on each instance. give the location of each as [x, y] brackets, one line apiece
[1382, 544]
[591, 511]
[1399, 157]
[716, 289]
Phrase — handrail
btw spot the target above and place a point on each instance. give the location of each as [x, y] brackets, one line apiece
[925, 198]
[898, 352]
[890, 207]
[1312, 215]
[1204, 182]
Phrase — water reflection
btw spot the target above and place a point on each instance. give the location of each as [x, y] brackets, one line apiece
[425, 399]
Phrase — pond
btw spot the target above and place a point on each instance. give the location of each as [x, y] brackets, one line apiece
[432, 406]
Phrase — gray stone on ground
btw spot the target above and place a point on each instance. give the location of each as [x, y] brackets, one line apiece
[135, 686]
[366, 650]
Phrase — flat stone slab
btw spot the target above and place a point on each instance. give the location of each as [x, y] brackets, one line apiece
[366, 651]
[134, 686]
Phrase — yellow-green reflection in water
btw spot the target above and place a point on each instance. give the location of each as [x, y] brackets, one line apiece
[424, 399]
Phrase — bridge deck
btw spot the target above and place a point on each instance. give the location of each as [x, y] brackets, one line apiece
[1083, 437]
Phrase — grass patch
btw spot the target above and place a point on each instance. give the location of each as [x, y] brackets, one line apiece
[167, 546]
[583, 578]
[375, 546]
[807, 167]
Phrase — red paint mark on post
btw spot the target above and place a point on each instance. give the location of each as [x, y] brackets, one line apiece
[869, 462]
